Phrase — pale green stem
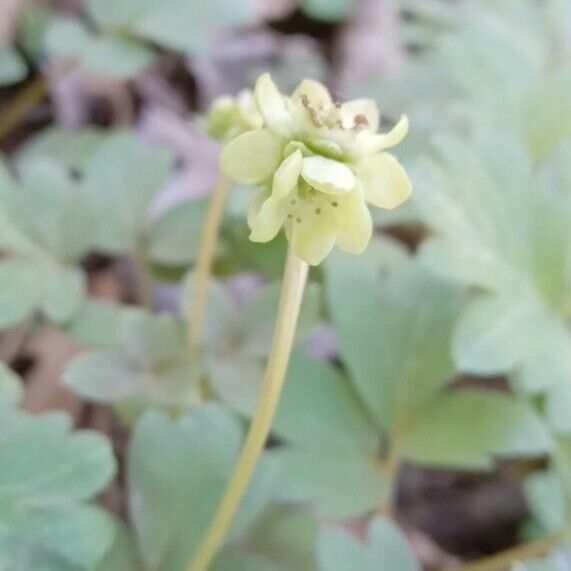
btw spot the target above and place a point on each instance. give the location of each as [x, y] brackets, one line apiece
[203, 269]
[293, 285]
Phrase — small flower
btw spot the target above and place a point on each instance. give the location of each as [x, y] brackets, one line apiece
[228, 116]
[320, 163]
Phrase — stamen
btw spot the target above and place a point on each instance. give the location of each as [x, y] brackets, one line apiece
[335, 204]
[318, 211]
[298, 219]
[313, 114]
[361, 122]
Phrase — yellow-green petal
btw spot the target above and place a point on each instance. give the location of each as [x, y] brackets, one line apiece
[354, 224]
[328, 175]
[385, 182]
[395, 135]
[269, 220]
[313, 238]
[367, 142]
[256, 206]
[317, 94]
[251, 157]
[287, 175]
[272, 104]
[360, 112]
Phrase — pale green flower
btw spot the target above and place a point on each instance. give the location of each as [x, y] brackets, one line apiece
[229, 116]
[320, 163]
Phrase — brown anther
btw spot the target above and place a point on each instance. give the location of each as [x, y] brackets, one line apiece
[298, 219]
[318, 211]
[335, 204]
[360, 122]
[293, 201]
[290, 215]
[313, 114]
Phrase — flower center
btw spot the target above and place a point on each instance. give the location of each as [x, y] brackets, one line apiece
[309, 203]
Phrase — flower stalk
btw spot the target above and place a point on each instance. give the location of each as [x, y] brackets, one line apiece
[293, 286]
[197, 305]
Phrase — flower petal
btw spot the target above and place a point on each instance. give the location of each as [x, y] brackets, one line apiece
[367, 143]
[256, 206]
[251, 157]
[269, 220]
[360, 112]
[354, 224]
[395, 135]
[327, 175]
[272, 104]
[285, 178]
[317, 94]
[314, 237]
[385, 182]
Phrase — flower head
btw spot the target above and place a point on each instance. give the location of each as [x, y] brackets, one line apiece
[228, 116]
[319, 162]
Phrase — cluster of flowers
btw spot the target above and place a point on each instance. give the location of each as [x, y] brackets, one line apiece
[317, 161]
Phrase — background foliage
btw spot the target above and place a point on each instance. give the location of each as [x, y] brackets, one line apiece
[443, 352]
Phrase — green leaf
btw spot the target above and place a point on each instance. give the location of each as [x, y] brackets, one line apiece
[187, 25]
[116, 57]
[174, 237]
[386, 550]
[75, 536]
[72, 466]
[149, 365]
[116, 15]
[12, 66]
[122, 178]
[493, 333]
[332, 456]
[20, 290]
[328, 10]
[122, 556]
[451, 431]
[244, 563]
[11, 388]
[282, 540]
[66, 227]
[548, 111]
[547, 363]
[393, 335]
[239, 340]
[71, 149]
[475, 198]
[65, 292]
[176, 479]
[46, 472]
[546, 495]
[98, 323]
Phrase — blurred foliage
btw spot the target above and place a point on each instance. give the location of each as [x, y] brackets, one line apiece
[474, 282]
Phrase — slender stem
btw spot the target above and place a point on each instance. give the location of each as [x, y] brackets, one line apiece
[26, 99]
[391, 469]
[505, 559]
[144, 280]
[203, 269]
[293, 285]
